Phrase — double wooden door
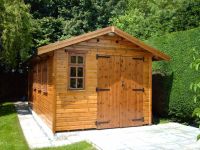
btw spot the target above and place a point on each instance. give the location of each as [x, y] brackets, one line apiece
[120, 91]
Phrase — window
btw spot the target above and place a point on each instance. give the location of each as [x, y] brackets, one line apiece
[44, 76]
[39, 77]
[76, 71]
[35, 78]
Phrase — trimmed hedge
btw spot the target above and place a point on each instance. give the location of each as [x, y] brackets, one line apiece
[179, 46]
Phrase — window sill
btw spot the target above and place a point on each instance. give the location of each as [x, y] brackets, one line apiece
[76, 90]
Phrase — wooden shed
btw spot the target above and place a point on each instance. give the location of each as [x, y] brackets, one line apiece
[102, 79]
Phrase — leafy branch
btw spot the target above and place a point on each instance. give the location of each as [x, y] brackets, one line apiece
[195, 86]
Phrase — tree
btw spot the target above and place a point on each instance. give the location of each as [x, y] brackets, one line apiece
[146, 18]
[15, 33]
[61, 19]
[2, 10]
[47, 30]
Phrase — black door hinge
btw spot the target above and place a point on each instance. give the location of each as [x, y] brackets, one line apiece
[102, 56]
[139, 90]
[138, 119]
[101, 122]
[102, 89]
[138, 58]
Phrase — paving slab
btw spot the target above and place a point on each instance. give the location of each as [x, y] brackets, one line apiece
[34, 134]
[168, 136]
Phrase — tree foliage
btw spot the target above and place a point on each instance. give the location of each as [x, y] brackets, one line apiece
[55, 20]
[195, 85]
[15, 31]
[195, 65]
[2, 9]
[146, 18]
[52, 20]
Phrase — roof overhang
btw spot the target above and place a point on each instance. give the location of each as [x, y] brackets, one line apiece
[157, 55]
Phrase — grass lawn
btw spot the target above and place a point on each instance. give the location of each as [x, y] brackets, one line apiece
[76, 146]
[12, 138]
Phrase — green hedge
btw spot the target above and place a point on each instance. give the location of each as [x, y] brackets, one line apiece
[179, 46]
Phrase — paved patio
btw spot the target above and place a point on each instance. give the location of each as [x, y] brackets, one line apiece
[169, 136]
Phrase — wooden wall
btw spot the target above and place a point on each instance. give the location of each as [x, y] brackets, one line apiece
[77, 109]
[40, 101]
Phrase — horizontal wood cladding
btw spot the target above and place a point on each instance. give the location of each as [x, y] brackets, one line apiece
[107, 43]
[42, 101]
[77, 109]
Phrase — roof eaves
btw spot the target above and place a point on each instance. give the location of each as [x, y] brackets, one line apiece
[90, 35]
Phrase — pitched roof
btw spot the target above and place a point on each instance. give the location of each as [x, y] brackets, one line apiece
[60, 44]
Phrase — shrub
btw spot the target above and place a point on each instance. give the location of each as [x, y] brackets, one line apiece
[179, 46]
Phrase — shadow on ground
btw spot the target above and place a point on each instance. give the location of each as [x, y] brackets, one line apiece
[7, 109]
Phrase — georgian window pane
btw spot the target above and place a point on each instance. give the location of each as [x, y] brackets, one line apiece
[44, 76]
[73, 72]
[76, 71]
[80, 83]
[80, 71]
[35, 77]
[73, 59]
[80, 59]
[39, 76]
[72, 83]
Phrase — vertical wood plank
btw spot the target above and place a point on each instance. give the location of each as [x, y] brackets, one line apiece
[150, 90]
[132, 101]
[55, 93]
